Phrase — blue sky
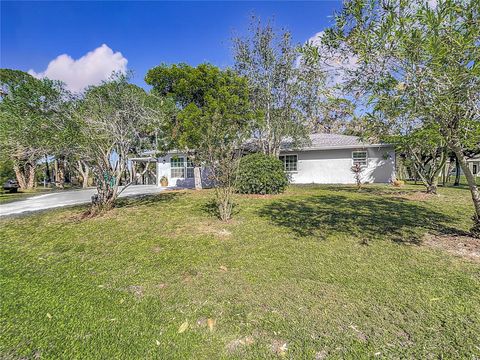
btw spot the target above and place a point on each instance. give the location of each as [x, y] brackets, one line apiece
[145, 33]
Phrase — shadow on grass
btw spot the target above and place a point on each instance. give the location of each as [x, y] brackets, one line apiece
[373, 189]
[149, 199]
[365, 218]
[210, 207]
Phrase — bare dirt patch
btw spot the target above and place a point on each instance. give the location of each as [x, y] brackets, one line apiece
[258, 196]
[157, 249]
[279, 347]
[464, 246]
[216, 228]
[416, 196]
[136, 290]
[239, 344]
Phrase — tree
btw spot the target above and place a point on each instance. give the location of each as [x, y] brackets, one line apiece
[213, 120]
[112, 121]
[424, 58]
[6, 170]
[30, 110]
[336, 117]
[425, 150]
[84, 170]
[357, 174]
[285, 89]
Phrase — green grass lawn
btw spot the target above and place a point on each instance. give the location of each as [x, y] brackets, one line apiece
[317, 272]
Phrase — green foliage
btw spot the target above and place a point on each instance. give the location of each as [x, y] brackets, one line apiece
[261, 174]
[214, 117]
[285, 90]
[213, 106]
[32, 116]
[417, 63]
[30, 111]
[114, 120]
[6, 170]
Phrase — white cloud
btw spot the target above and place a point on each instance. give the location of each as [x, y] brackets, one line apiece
[91, 69]
[336, 64]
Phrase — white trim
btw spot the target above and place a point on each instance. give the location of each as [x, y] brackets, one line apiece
[172, 168]
[185, 167]
[146, 159]
[337, 147]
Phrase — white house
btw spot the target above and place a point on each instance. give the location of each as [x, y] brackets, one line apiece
[327, 159]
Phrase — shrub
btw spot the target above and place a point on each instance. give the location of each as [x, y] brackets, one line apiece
[261, 174]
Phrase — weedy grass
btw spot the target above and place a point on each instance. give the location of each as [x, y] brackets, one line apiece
[316, 272]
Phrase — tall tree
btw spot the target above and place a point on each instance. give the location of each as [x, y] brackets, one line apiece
[112, 121]
[30, 111]
[424, 57]
[213, 119]
[426, 152]
[285, 89]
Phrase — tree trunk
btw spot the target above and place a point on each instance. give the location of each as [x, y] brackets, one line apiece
[432, 188]
[25, 175]
[83, 169]
[475, 230]
[444, 173]
[31, 176]
[430, 182]
[59, 174]
[198, 177]
[47, 170]
[457, 172]
[19, 174]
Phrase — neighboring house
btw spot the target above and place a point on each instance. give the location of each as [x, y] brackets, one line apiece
[474, 165]
[325, 159]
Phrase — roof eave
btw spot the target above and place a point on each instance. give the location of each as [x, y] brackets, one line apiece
[338, 147]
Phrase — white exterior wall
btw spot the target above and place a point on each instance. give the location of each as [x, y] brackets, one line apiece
[314, 166]
[164, 169]
[334, 166]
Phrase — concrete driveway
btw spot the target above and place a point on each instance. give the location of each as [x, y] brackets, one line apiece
[66, 198]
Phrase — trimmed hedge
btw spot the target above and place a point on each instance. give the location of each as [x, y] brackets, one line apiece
[261, 174]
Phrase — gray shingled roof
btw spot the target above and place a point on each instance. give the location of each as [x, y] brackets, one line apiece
[328, 141]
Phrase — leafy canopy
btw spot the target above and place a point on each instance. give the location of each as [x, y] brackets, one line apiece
[213, 108]
[31, 113]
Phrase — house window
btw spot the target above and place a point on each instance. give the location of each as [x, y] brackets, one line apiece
[190, 169]
[359, 157]
[289, 162]
[475, 169]
[178, 167]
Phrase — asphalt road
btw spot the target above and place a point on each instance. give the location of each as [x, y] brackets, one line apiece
[66, 198]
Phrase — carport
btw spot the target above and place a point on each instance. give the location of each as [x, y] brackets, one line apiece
[143, 171]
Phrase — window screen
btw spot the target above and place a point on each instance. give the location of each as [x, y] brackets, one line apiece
[289, 162]
[177, 167]
[359, 157]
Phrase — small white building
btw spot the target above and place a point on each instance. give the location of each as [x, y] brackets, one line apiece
[327, 159]
[474, 165]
